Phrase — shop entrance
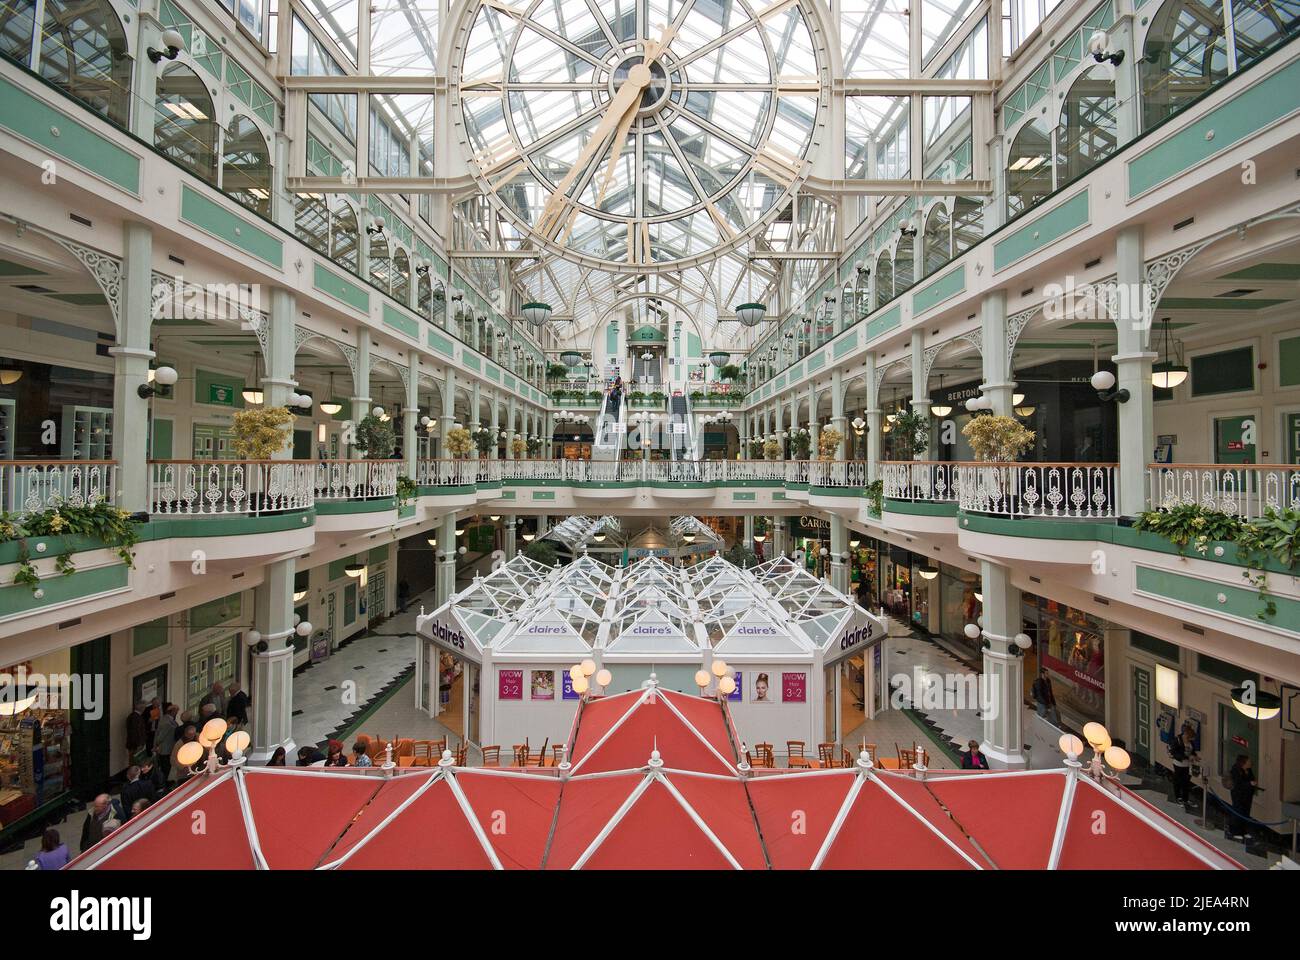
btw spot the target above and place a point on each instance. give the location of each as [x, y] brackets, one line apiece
[852, 678]
[456, 704]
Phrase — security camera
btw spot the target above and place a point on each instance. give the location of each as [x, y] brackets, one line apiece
[173, 43]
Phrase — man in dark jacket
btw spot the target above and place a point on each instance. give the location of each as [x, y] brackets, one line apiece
[92, 831]
[1045, 699]
[237, 705]
[137, 732]
[136, 788]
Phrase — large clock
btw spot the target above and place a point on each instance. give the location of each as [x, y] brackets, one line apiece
[640, 135]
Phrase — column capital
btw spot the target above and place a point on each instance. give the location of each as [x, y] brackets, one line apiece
[131, 352]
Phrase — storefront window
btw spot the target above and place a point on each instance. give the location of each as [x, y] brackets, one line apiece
[958, 590]
[35, 734]
[1071, 645]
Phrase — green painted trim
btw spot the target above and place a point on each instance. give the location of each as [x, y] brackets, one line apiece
[493, 373]
[405, 511]
[543, 495]
[36, 121]
[332, 285]
[471, 361]
[399, 321]
[1063, 219]
[60, 588]
[919, 508]
[168, 528]
[739, 497]
[845, 345]
[837, 492]
[337, 507]
[1258, 105]
[884, 322]
[214, 219]
[439, 492]
[440, 343]
[944, 288]
[1239, 603]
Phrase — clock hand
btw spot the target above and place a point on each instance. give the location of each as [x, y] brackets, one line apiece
[627, 97]
[650, 53]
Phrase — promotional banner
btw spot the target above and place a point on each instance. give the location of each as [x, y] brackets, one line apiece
[510, 684]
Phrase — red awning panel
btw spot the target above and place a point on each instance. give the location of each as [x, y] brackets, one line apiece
[278, 799]
[982, 805]
[586, 806]
[657, 834]
[1102, 834]
[795, 812]
[206, 832]
[880, 834]
[515, 813]
[650, 725]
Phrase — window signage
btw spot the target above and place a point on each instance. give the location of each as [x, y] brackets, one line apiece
[510, 684]
[794, 687]
[222, 394]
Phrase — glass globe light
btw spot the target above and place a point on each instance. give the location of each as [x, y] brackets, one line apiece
[588, 667]
[1117, 758]
[1070, 745]
[238, 742]
[189, 753]
[604, 678]
[972, 631]
[701, 678]
[213, 730]
[1096, 735]
[575, 672]
[580, 685]
[719, 668]
[727, 686]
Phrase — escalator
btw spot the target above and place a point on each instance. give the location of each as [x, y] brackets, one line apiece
[609, 432]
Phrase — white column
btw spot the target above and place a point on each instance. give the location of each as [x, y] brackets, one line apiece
[920, 388]
[448, 418]
[410, 426]
[998, 386]
[494, 404]
[838, 420]
[131, 358]
[1133, 364]
[874, 417]
[445, 584]
[510, 531]
[839, 554]
[1003, 679]
[360, 384]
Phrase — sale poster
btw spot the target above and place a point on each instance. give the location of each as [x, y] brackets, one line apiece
[794, 687]
[510, 684]
[739, 693]
[566, 687]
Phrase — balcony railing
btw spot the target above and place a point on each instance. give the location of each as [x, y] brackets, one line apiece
[226, 487]
[837, 473]
[356, 479]
[929, 480]
[1074, 490]
[1243, 490]
[756, 470]
[32, 486]
[446, 473]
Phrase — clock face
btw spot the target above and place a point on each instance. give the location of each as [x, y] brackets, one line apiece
[639, 134]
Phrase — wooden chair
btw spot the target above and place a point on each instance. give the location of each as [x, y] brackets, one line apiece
[462, 753]
[871, 751]
[492, 756]
[439, 746]
[826, 754]
[521, 754]
[376, 750]
[763, 756]
[537, 759]
[847, 760]
[403, 747]
[557, 753]
[906, 758]
[424, 754]
[795, 748]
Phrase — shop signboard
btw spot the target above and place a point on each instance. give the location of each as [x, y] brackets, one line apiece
[860, 631]
[222, 394]
[447, 632]
[794, 687]
[510, 684]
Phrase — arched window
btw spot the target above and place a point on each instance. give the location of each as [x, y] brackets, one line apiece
[937, 242]
[1185, 55]
[884, 279]
[1086, 133]
[438, 306]
[967, 224]
[1029, 167]
[246, 166]
[183, 127]
[344, 237]
[381, 265]
[1260, 25]
[903, 265]
[401, 277]
[83, 51]
[312, 221]
[424, 292]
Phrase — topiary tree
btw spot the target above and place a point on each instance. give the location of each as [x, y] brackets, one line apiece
[485, 439]
[261, 434]
[912, 433]
[828, 443]
[772, 449]
[375, 438]
[997, 439]
[459, 443]
[518, 446]
[541, 551]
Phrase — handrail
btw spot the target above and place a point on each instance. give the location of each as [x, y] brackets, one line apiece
[31, 486]
[1076, 490]
[1245, 490]
[230, 487]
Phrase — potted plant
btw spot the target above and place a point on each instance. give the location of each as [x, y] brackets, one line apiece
[801, 444]
[375, 437]
[658, 398]
[756, 449]
[996, 439]
[911, 430]
[828, 443]
[485, 439]
[518, 446]
[556, 371]
[772, 449]
[534, 445]
[260, 434]
[729, 372]
[405, 490]
[459, 443]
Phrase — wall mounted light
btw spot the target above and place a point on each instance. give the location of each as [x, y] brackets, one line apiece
[173, 42]
[160, 377]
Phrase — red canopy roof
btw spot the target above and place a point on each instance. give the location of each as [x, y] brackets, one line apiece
[652, 784]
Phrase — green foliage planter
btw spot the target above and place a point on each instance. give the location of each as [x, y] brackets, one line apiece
[1271, 539]
[406, 490]
[375, 437]
[875, 493]
[69, 526]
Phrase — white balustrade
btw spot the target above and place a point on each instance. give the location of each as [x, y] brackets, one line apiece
[225, 487]
[934, 481]
[1243, 490]
[356, 479]
[1077, 490]
[32, 486]
[837, 473]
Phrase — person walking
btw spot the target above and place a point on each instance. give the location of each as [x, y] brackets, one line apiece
[1243, 788]
[1045, 699]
